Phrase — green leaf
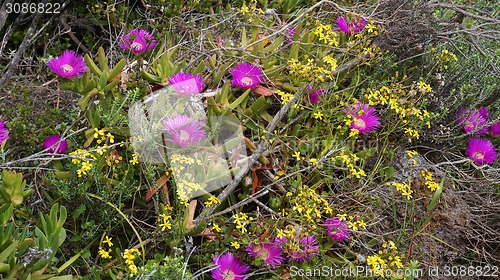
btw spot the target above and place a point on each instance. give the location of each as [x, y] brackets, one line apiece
[150, 77]
[117, 69]
[7, 251]
[437, 195]
[240, 99]
[103, 61]
[111, 85]
[92, 66]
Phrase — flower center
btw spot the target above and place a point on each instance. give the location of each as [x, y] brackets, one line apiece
[67, 68]
[479, 155]
[228, 275]
[359, 123]
[247, 81]
[136, 46]
[264, 254]
[184, 136]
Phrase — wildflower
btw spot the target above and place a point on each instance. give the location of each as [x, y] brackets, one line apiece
[296, 155]
[307, 249]
[290, 33]
[364, 118]
[129, 256]
[246, 75]
[494, 131]
[104, 254]
[68, 65]
[318, 115]
[137, 40]
[55, 145]
[268, 252]
[313, 161]
[473, 121]
[337, 229]
[481, 151]
[315, 96]
[183, 130]
[236, 245]
[228, 267]
[187, 83]
[354, 27]
[134, 159]
[4, 133]
[216, 227]
[107, 240]
[484, 112]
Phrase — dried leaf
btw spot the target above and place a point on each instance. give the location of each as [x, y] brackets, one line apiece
[264, 91]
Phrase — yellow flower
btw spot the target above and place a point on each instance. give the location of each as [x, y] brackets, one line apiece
[362, 224]
[216, 227]
[104, 254]
[107, 240]
[342, 217]
[235, 244]
[313, 161]
[318, 115]
[296, 155]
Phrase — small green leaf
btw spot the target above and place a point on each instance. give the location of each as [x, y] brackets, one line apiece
[117, 69]
[92, 66]
[103, 61]
[437, 195]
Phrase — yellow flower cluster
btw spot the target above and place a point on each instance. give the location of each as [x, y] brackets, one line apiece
[412, 133]
[129, 255]
[165, 221]
[182, 169]
[353, 223]
[105, 254]
[82, 157]
[212, 200]
[326, 35]
[349, 160]
[445, 57]
[387, 261]
[284, 96]
[429, 181]
[242, 220]
[411, 154]
[311, 71]
[251, 11]
[113, 158]
[134, 159]
[404, 188]
[309, 205]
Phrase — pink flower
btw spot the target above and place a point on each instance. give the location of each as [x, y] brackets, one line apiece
[481, 151]
[337, 229]
[308, 248]
[68, 65]
[290, 33]
[364, 118]
[268, 252]
[228, 268]
[246, 75]
[4, 133]
[315, 96]
[473, 121]
[183, 130]
[187, 83]
[494, 130]
[55, 145]
[137, 40]
[354, 27]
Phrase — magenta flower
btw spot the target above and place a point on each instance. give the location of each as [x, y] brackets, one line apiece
[308, 248]
[484, 112]
[137, 40]
[187, 83]
[183, 130]
[68, 65]
[315, 96]
[4, 133]
[354, 27]
[337, 229]
[481, 151]
[268, 252]
[364, 118]
[246, 75]
[473, 121]
[55, 145]
[228, 268]
[494, 130]
[290, 33]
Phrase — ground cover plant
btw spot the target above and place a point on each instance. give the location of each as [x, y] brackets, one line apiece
[255, 139]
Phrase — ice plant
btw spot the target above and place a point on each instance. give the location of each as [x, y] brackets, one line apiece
[68, 65]
[364, 118]
[494, 130]
[187, 83]
[183, 130]
[354, 27]
[137, 40]
[4, 133]
[307, 248]
[55, 145]
[481, 151]
[337, 229]
[246, 75]
[473, 121]
[268, 252]
[228, 267]
[315, 96]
